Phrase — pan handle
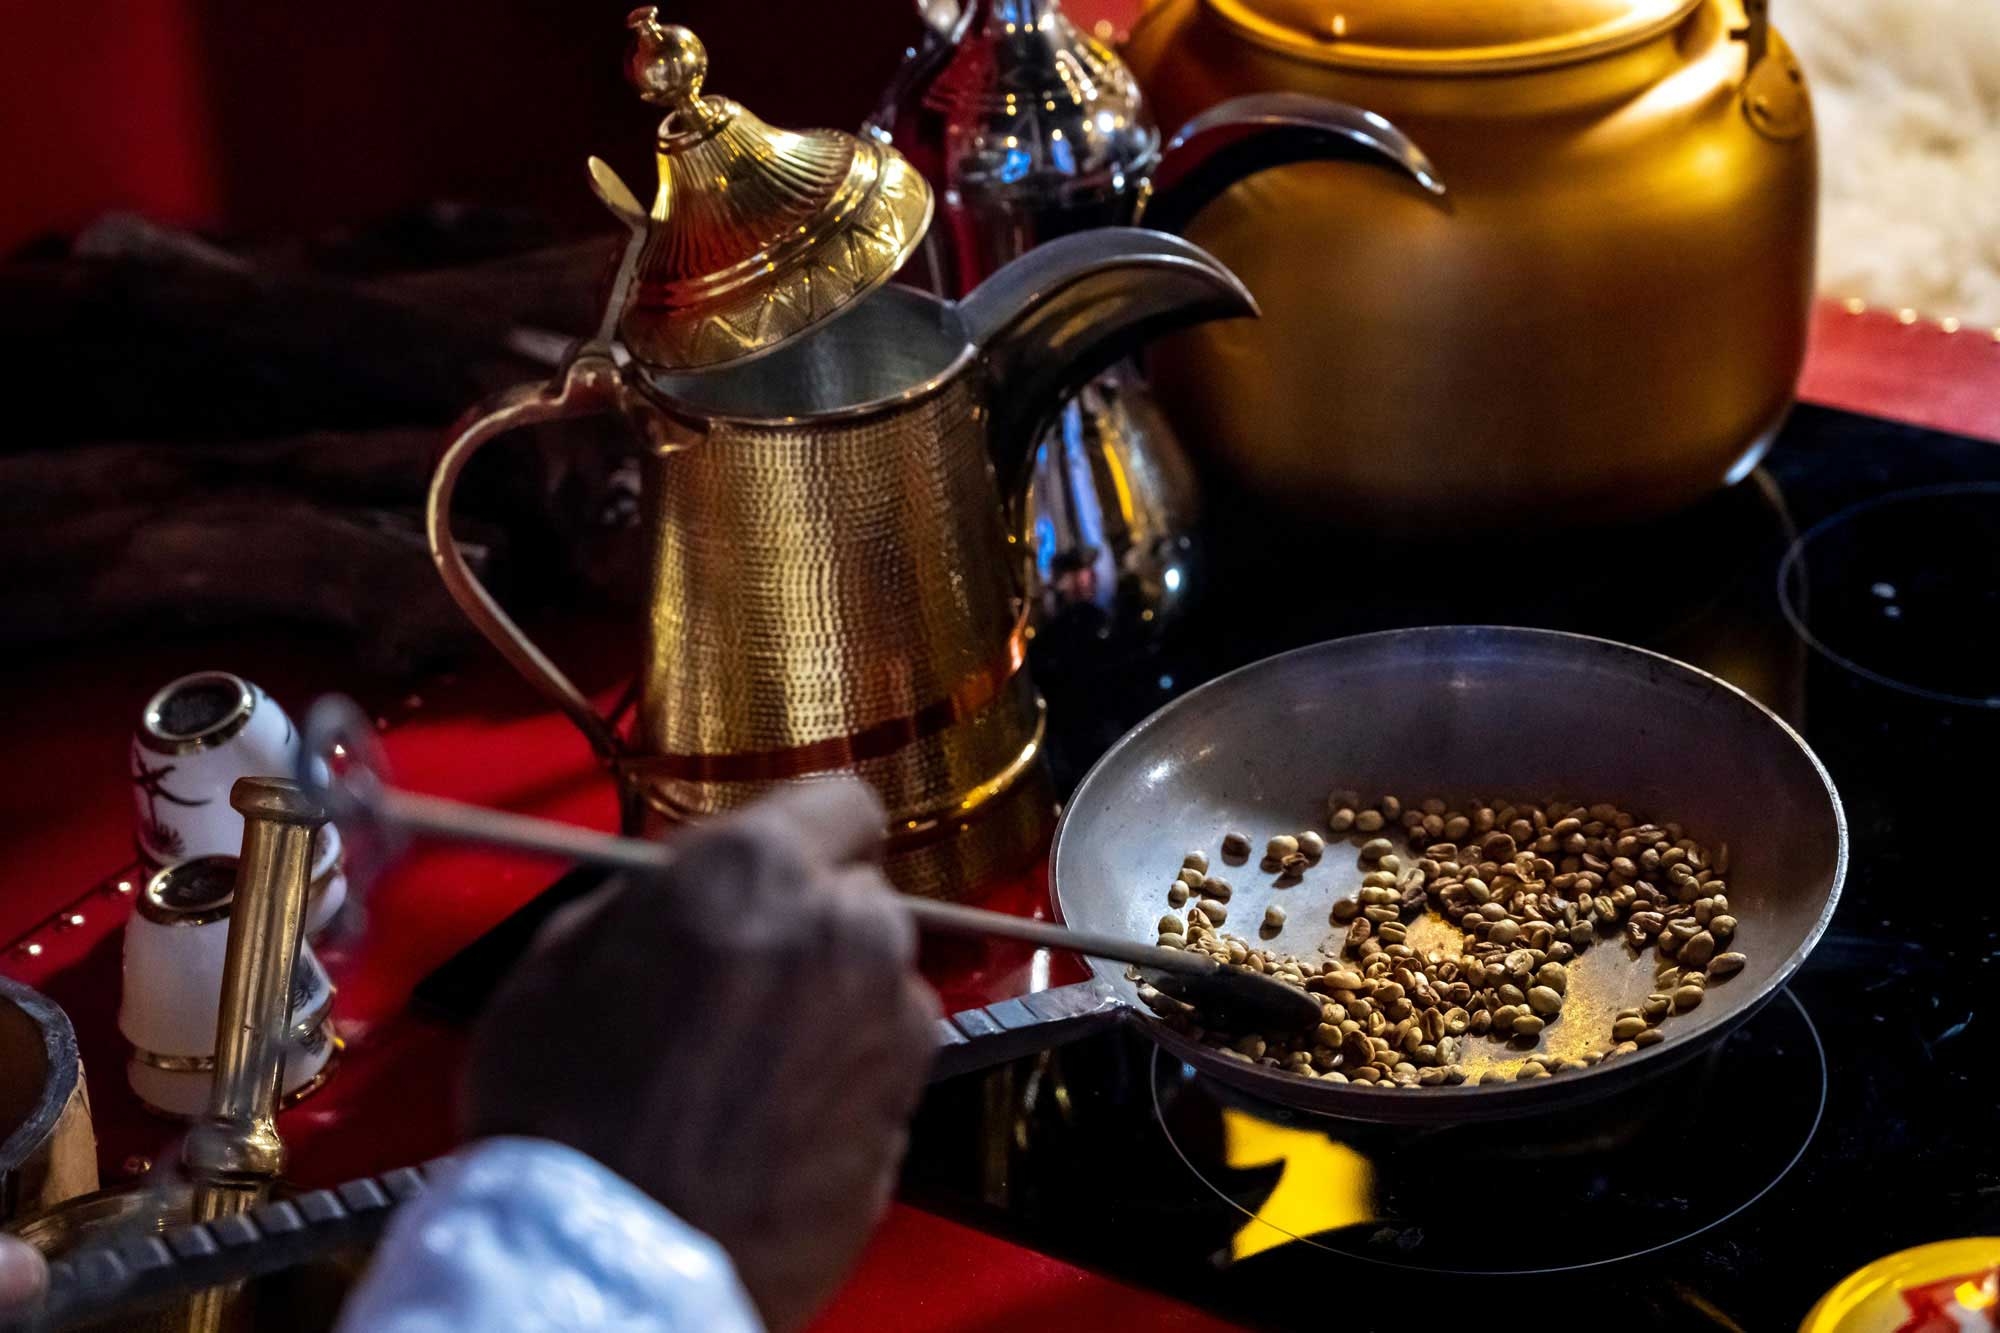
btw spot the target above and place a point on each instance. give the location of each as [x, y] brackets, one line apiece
[975, 1039]
[138, 1272]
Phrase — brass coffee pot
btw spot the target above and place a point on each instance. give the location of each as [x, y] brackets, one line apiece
[1607, 321]
[834, 584]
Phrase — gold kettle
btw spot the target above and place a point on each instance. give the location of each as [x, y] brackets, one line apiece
[1605, 321]
[834, 584]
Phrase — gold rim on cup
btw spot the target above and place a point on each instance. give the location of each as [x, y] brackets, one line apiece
[158, 736]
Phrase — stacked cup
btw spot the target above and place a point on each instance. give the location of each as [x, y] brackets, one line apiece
[175, 947]
[197, 736]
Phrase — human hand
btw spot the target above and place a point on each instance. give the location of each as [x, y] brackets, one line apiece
[743, 1036]
[24, 1275]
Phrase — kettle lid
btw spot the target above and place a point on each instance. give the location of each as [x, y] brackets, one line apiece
[757, 234]
[1449, 36]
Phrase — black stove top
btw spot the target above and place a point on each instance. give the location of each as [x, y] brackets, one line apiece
[1853, 585]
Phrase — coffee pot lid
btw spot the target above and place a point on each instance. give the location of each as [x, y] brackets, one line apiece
[757, 234]
[1449, 36]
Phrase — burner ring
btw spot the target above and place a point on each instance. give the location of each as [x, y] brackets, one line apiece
[1811, 1130]
[1794, 589]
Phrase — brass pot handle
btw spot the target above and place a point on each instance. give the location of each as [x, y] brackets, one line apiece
[588, 384]
[1755, 34]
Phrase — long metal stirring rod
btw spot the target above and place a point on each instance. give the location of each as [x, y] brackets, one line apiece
[339, 763]
[440, 818]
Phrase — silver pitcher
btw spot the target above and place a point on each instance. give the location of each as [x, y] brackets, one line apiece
[1027, 129]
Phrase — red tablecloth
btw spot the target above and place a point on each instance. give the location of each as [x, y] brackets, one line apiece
[65, 849]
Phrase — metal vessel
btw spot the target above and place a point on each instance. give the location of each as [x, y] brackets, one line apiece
[1607, 323]
[1028, 128]
[1446, 711]
[48, 1152]
[834, 585]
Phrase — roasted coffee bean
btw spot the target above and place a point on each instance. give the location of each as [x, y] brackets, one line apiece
[1530, 894]
[1235, 846]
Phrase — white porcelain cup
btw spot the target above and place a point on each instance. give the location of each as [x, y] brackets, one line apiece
[176, 945]
[180, 1087]
[197, 736]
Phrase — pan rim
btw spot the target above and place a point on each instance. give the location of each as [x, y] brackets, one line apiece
[1493, 1099]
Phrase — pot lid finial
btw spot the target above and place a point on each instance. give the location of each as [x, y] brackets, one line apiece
[756, 234]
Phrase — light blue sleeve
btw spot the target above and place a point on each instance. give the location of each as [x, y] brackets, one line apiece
[524, 1236]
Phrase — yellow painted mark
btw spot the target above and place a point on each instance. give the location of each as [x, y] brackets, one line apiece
[1322, 1184]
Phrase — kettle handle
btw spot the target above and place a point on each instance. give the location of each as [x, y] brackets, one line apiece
[1246, 135]
[588, 384]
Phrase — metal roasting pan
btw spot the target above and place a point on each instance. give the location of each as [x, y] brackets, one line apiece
[1459, 711]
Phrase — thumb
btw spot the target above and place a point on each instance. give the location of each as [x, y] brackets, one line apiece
[24, 1275]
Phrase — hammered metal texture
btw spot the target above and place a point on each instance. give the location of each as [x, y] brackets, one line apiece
[1001, 838]
[841, 598]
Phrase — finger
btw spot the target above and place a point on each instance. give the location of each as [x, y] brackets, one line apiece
[868, 916]
[567, 921]
[24, 1274]
[834, 820]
